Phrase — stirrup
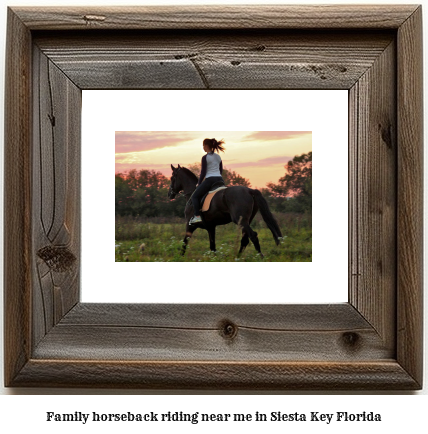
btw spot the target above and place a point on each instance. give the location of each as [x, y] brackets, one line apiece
[195, 219]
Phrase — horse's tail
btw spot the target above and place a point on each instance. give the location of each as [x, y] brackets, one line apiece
[267, 215]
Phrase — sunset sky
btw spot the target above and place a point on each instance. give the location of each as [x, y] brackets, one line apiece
[259, 156]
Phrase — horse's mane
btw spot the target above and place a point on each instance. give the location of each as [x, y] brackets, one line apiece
[190, 173]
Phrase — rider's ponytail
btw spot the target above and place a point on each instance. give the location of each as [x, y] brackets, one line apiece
[215, 145]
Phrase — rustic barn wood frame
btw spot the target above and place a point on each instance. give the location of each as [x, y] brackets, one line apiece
[372, 342]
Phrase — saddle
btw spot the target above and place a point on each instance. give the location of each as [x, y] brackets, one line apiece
[206, 200]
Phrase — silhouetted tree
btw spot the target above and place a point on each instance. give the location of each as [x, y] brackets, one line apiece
[145, 193]
[293, 193]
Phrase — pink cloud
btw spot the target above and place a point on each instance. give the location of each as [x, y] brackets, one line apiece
[276, 135]
[123, 167]
[137, 141]
[271, 161]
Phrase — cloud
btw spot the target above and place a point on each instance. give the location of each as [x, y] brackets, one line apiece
[275, 135]
[137, 141]
[125, 167]
[265, 162]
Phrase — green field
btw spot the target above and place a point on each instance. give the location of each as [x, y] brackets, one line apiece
[160, 240]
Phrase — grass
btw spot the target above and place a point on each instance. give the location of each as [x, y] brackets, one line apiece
[161, 240]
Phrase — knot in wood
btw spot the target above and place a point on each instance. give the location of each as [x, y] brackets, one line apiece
[227, 329]
[58, 259]
[351, 340]
[386, 134]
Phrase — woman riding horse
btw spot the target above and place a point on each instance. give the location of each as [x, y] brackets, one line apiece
[211, 170]
[237, 204]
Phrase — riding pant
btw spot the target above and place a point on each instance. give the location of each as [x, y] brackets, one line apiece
[201, 190]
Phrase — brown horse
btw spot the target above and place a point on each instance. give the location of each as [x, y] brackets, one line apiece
[237, 204]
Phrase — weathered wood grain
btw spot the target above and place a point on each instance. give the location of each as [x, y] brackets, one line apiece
[210, 316]
[17, 199]
[200, 332]
[216, 17]
[220, 60]
[56, 194]
[373, 177]
[385, 375]
[372, 342]
[410, 196]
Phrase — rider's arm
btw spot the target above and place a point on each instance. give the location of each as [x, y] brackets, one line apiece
[203, 169]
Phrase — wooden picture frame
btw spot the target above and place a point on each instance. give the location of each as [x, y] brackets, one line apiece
[372, 342]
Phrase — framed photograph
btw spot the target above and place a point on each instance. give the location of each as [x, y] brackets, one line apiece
[373, 340]
[251, 166]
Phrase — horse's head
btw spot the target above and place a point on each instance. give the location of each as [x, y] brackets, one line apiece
[176, 184]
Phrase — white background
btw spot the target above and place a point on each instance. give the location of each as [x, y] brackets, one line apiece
[324, 280]
[400, 412]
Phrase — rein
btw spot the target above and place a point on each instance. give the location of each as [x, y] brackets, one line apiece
[186, 194]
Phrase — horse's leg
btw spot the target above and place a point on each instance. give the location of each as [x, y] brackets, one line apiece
[252, 235]
[211, 234]
[244, 241]
[245, 236]
[242, 218]
[189, 232]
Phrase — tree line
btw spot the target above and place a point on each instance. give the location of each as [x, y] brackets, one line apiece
[144, 192]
